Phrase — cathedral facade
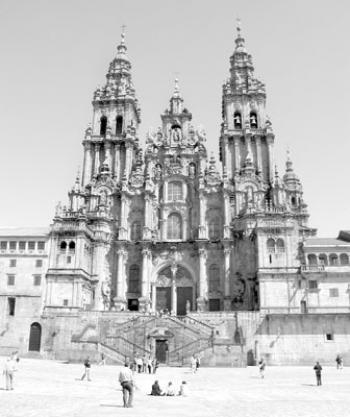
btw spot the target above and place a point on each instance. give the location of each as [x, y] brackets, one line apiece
[164, 251]
[165, 228]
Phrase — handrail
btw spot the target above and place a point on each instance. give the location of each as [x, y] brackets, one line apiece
[127, 342]
[198, 322]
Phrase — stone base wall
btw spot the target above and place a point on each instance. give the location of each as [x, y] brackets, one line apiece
[240, 338]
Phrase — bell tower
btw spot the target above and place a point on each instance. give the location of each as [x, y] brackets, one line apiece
[111, 139]
[246, 136]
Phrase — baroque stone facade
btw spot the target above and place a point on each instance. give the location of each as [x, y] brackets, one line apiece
[225, 248]
[162, 228]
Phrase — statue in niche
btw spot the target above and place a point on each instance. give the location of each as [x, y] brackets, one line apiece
[158, 171]
[192, 170]
[103, 198]
[176, 134]
[106, 294]
[239, 289]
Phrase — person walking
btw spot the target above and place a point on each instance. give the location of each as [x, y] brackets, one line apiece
[262, 366]
[87, 367]
[10, 368]
[339, 362]
[318, 370]
[127, 382]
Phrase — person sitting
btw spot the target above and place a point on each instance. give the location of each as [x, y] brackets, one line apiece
[183, 389]
[170, 392]
[156, 389]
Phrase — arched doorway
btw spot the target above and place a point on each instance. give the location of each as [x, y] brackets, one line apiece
[35, 337]
[174, 295]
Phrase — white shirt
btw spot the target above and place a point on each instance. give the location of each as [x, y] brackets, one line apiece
[125, 375]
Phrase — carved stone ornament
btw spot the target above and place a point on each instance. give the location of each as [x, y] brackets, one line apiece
[137, 179]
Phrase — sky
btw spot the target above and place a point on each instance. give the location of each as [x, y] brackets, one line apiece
[54, 54]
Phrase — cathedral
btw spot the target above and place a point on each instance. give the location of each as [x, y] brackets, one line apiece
[164, 251]
[164, 227]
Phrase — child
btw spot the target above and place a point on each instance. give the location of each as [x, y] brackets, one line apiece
[183, 389]
[170, 392]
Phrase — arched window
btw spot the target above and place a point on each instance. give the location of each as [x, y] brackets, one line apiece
[134, 279]
[253, 118]
[103, 125]
[174, 191]
[280, 245]
[34, 337]
[323, 260]
[344, 259]
[333, 259]
[271, 245]
[237, 120]
[214, 278]
[63, 245]
[312, 259]
[293, 200]
[174, 226]
[119, 125]
[72, 246]
[136, 231]
[214, 228]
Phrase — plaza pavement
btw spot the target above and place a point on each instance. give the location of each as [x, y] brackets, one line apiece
[53, 389]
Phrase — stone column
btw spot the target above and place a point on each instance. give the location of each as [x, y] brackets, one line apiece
[202, 205]
[258, 154]
[116, 167]
[108, 154]
[154, 297]
[120, 299]
[87, 163]
[184, 191]
[203, 282]
[269, 140]
[227, 216]
[227, 299]
[128, 158]
[227, 160]
[237, 155]
[97, 158]
[173, 291]
[144, 300]
[147, 235]
[123, 229]
[99, 271]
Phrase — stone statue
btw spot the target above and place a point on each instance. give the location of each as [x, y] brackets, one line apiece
[106, 294]
[188, 306]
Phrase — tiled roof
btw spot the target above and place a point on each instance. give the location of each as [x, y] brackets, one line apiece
[325, 241]
[23, 231]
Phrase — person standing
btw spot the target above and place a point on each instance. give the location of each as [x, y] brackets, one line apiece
[87, 367]
[318, 370]
[9, 369]
[198, 363]
[155, 365]
[193, 364]
[127, 382]
[262, 366]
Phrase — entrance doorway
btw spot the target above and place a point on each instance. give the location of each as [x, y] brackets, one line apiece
[35, 337]
[183, 294]
[163, 295]
[161, 350]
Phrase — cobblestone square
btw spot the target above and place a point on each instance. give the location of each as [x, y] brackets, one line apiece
[53, 389]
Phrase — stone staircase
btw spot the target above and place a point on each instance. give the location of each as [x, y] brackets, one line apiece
[186, 336]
